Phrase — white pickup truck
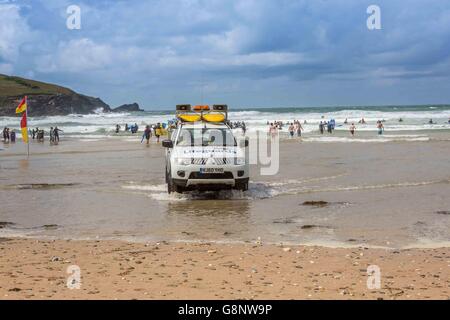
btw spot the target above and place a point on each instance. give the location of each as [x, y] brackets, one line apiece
[203, 153]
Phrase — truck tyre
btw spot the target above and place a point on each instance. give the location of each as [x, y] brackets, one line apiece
[243, 186]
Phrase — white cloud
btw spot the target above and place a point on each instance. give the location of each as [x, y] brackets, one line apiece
[14, 31]
[77, 56]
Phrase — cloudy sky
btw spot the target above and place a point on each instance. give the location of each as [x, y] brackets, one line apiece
[247, 53]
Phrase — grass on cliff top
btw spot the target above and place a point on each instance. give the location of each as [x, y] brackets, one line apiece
[16, 86]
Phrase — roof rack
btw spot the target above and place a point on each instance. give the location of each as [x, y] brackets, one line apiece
[218, 114]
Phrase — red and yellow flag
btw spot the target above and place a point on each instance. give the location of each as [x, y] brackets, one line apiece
[23, 127]
[22, 106]
[23, 123]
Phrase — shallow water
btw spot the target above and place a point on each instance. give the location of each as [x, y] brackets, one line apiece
[378, 194]
[415, 120]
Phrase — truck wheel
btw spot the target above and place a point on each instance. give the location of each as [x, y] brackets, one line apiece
[178, 189]
[169, 186]
[242, 186]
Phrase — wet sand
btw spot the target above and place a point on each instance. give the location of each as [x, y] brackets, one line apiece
[37, 269]
[102, 205]
[388, 194]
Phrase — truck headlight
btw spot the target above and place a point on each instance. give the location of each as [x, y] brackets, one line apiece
[239, 161]
[183, 161]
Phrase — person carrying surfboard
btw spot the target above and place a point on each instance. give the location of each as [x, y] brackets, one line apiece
[158, 131]
[147, 134]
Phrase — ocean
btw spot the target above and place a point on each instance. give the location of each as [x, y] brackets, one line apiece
[415, 124]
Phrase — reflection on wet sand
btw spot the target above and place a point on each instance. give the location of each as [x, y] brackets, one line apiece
[384, 194]
[210, 219]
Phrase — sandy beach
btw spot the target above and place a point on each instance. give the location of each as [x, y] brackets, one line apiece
[36, 269]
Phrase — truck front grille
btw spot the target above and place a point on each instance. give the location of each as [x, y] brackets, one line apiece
[218, 161]
[198, 175]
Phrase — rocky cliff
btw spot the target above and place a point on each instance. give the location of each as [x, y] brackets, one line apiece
[133, 107]
[45, 99]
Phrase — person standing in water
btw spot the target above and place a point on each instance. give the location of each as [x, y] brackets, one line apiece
[12, 136]
[117, 128]
[321, 127]
[298, 129]
[291, 130]
[56, 134]
[158, 131]
[273, 130]
[147, 134]
[329, 127]
[380, 127]
[352, 129]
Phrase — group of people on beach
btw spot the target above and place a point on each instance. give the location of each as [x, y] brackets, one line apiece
[149, 131]
[295, 127]
[329, 125]
[39, 134]
[133, 128]
[9, 135]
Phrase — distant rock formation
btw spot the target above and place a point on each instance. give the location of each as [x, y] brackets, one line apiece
[45, 99]
[132, 107]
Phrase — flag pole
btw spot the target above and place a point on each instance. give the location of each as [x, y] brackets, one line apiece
[28, 138]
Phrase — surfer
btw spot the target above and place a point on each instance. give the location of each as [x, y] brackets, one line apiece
[147, 134]
[117, 128]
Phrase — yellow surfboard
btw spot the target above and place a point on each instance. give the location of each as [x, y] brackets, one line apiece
[214, 117]
[189, 117]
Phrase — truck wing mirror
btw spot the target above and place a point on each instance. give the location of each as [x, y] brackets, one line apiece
[167, 143]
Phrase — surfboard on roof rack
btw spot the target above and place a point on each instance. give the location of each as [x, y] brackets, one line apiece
[218, 114]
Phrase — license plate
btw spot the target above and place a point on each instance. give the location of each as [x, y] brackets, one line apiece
[211, 170]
